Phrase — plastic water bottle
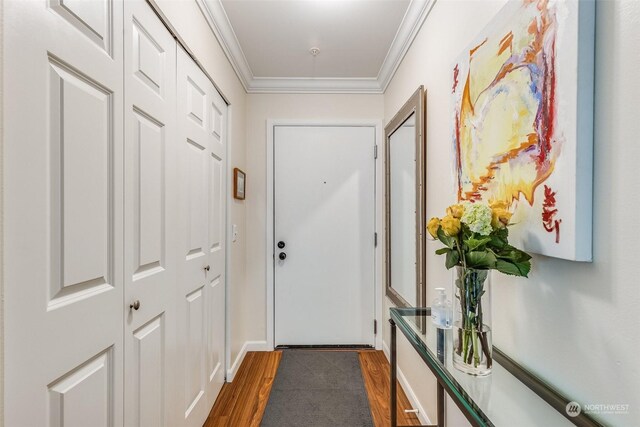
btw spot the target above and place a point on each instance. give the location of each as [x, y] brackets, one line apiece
[441, 312]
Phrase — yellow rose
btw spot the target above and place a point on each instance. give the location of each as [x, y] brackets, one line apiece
[498, 204]
[500, 218]
[450, 225]
[432, 227]
[455, 211]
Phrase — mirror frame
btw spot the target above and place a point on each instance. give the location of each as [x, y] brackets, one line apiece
[415, 104]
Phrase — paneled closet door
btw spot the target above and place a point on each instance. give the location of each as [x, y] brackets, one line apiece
[150, 219]
[63, 213]
[216, 278]
[201, 307]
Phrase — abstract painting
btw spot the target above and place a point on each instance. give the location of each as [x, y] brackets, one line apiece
[523, 120]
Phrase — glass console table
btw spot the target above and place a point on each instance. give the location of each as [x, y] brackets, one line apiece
[509, 396]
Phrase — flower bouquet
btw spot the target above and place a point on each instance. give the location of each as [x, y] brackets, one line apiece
[475, 236]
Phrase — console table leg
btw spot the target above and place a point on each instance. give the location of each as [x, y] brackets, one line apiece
[441, 401]
[394, 398]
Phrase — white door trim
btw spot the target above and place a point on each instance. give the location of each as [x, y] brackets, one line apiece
[228, 236]
[379, 170]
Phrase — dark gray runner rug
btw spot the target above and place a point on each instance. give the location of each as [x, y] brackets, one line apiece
[318, 389]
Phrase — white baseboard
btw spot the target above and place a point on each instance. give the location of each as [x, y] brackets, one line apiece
[413, 399]
[246, 347]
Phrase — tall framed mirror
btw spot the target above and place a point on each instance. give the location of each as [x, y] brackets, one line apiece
[405, 200]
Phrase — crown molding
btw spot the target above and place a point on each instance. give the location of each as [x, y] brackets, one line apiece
[220, 25]
[314, 85]
[415, 16]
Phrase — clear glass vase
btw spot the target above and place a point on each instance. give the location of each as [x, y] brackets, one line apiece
[472, 348]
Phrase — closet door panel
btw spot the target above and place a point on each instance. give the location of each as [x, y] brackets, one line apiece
[63, 90]
[194, 263]
[68, 395]
[201, 298]
[194, 373]
[194, 149]
[217, 184]
[150, 219]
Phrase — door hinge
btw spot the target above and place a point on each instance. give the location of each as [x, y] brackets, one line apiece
[375, 151]
[375, 240]
[375, 327]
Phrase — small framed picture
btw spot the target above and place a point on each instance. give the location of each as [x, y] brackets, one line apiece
[239, 183]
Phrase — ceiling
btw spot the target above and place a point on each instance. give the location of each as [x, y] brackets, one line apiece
[361, 42]
[276, 36]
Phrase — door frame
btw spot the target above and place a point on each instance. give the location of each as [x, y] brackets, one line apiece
[270, 217]
[228, 241]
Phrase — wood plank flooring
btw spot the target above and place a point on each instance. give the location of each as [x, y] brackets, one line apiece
[375, 371]
[242, 402]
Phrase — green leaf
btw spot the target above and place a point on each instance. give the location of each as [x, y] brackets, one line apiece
[500, 238]
[466, 231]
[481, 259]
[524, 267]
[514, 269]
[507, 267]
[452, 259]
[443, 251]
[512, 254]
[506, 255]
[521, 255]
[446, 240]
[474, 244]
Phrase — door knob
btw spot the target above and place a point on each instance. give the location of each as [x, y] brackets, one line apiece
[281, 244]
[282, 256]
[135, 305]
[207, 268]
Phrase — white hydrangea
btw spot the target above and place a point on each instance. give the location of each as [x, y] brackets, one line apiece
[477, 216]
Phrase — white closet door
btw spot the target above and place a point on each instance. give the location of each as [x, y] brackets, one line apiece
[201, 123]
[150, 254]
[216, 278]
[63, 224]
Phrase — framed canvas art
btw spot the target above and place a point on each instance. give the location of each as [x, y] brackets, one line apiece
[523, 122]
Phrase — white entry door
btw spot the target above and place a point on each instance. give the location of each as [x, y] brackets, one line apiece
[150, 186]
[63, 213]
[324, 189]
[202, 121]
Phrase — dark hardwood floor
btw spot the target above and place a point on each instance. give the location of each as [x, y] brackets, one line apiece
[375, 371]
[242, 402]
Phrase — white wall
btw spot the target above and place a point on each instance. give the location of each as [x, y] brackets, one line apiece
[573, 324]
[188, 21]
[261, 107]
